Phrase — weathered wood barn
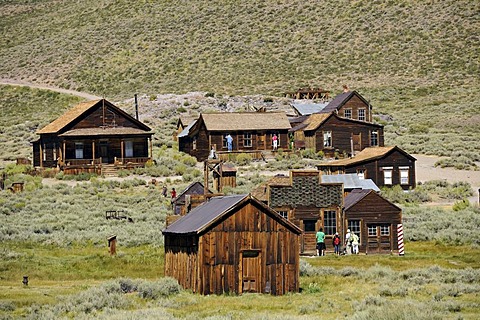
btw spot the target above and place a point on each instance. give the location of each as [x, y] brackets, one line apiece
[374, 219]
[333, 134]
[233, 244]
[305, 201]
[350, 105]
[252, 132]
[90, 136]
[386, 166]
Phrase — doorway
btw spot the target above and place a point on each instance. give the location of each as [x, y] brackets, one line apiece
[103, 151]
[251, 270]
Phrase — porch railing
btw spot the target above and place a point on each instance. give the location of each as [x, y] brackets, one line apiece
[82, 162]
[132, 160]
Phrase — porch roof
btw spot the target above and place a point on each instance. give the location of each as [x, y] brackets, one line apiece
[107, 131]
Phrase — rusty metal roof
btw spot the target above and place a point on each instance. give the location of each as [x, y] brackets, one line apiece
[203, 216]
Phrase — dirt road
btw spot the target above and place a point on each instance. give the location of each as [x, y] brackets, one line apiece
[13, 82]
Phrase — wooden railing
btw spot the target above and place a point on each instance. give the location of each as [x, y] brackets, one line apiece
[82, 162]
[132, 160]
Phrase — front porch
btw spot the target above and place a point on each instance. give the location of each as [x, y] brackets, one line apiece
[99, 167]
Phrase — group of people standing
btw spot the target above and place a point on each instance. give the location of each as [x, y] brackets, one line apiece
[351, 243]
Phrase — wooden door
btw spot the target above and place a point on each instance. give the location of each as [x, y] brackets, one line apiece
[357, 142]
[379, 238]
[261, 141]
[103, 151]
[251, 270]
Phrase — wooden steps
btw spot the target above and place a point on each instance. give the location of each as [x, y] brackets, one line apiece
[109, 170]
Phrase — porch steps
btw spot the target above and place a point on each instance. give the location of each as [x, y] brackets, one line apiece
[109, 170]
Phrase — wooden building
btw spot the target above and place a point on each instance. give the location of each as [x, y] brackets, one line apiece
[233, 244]
[334, 135]
[374, 219]
[252, 132]
[386, 166]
[91, 136]
[182, 202]
[308, 203]
[350, 105]
[182, 123]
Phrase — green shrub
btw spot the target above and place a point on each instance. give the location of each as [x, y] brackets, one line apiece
[461, 205]
[243, 159]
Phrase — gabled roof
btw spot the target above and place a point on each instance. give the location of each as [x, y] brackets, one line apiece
[340, 100]
[367, 154]
[74, 113]
[356, 196]
[205, 215]
[197, 185]
[350, 181]
[104, 132]
[186, 131]
[314, 121]
[308, 108]
[238, 121]
[185, 120]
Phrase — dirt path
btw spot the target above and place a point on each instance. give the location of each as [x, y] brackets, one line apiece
[13, 82]
[425, 171]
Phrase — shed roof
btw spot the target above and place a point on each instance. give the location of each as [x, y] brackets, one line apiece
[367, 154]
[315, 120]
[308, 108]
[236, 121]
[356, 196]
[203, 216]
[350, 181]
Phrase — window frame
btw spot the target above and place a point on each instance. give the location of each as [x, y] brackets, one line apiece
[283, 213]
[374, 138]
[355, 226]
[247, 136]
[194, 143]
[79, 151]
[349, 116]
[327, 139]
[361, 113]
[382, 230]
[370, 229]
[407, 177]
[329, 222]
[310, 223]
[390, 171]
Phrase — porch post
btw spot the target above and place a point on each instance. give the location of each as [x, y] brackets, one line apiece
[121, 150]
[41, 153]
[93, 151]
[151, 147]
[64, 154]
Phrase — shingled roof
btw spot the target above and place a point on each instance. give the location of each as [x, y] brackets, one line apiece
[72, 114]
[367, 154]
[205, 215]
[237, 121]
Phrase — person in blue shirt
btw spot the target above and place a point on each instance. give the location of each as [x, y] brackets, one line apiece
[229, 142]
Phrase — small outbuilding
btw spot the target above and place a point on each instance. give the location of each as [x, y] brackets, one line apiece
[374, 219]
[233, 244]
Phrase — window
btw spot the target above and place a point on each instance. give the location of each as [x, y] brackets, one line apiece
[309, 225]
[54, 151]
[128, 149]
[78, 150]
[361, 114]
[354, 226]
[361, 173]
[330, 222]
[224, 144]
[404, 176]
[247, 139]
[387, 176]
[372, 230]
[283, 213]
[194, 143]
[385, 230]
[347, 113]
[327, 138]
[374, 139]
[44, 152]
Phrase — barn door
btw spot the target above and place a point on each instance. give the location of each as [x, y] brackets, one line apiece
[251, 270]
[357, 142]
[379, 238]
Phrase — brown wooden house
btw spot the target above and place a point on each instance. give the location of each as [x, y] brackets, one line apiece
[252, 132]
[350, 105]
[386, 166]
[374, 219]
[308, 203]
[333, 134]
[90, 136]
[182, 202]
[233, 244]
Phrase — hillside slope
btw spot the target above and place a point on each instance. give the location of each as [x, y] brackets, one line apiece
[116, 48]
